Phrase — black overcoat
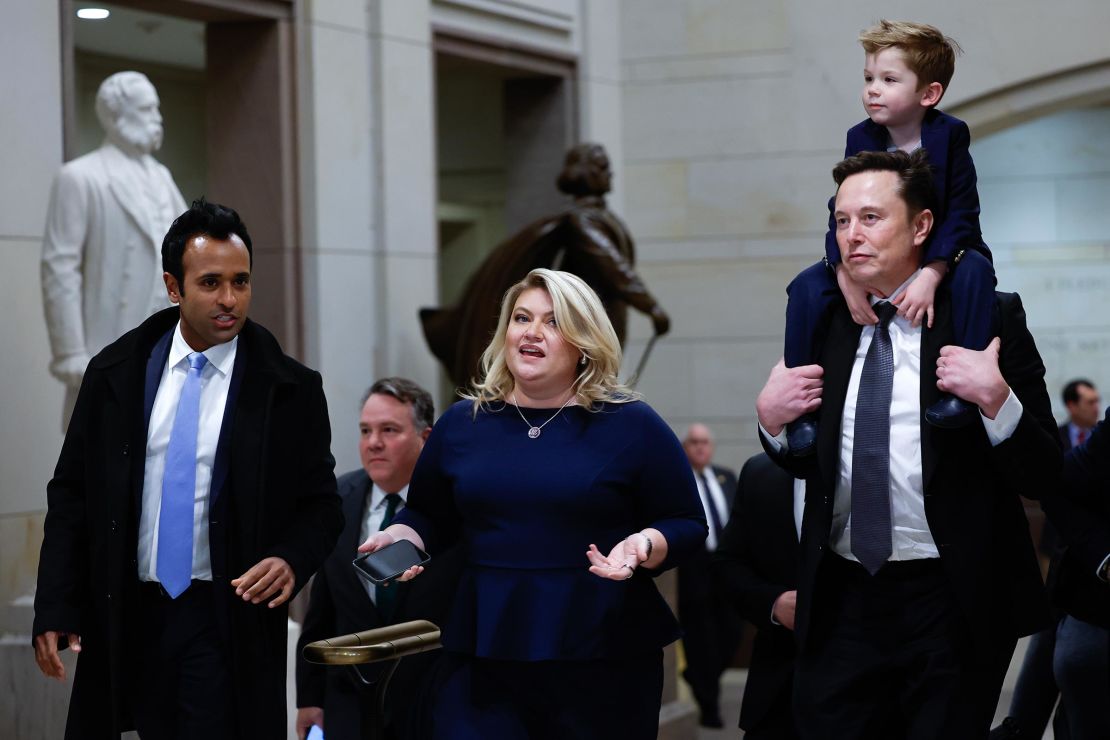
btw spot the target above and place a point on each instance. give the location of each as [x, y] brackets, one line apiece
[273, 494]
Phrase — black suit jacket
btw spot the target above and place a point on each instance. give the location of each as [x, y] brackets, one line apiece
[1080, 511]
[273, 495]
[695, 585]
[971, 489]
[339, 605]
[756, 562]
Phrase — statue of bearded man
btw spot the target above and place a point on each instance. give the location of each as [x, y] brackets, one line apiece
[109, 210]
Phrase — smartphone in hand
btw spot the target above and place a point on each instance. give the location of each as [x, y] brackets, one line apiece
[388, 563]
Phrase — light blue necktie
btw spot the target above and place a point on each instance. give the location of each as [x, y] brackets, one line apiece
[179, 483]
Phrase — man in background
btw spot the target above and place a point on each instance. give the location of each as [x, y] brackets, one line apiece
[756, 568]
[710, 624]
[396, 418]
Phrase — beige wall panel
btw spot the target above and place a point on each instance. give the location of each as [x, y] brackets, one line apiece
[349, 14]
[663, 28]
[1013, 211]
[344, 333]
[31, 126]
[411, 286]
[408, 193]
[341, 148]
[710, 118]
[30, 398]
[759, 196]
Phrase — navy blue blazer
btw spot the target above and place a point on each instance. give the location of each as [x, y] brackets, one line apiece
[956, 225]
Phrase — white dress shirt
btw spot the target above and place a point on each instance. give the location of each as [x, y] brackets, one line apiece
[373, 514]
[713, 496]
[214, 384]
[911, 537]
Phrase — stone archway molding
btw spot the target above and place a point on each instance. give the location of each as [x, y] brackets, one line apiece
[1075, 87]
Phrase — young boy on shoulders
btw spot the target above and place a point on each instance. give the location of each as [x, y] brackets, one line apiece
[907, 68]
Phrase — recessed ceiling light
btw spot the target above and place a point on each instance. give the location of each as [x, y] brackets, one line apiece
[93, 14]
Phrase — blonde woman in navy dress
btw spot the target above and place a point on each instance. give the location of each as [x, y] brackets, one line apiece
[569, 495]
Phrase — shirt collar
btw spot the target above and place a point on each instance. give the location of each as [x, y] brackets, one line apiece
[219, 356]
[377, 496]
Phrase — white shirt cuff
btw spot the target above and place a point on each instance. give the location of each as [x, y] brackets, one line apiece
[778, 443]
[1098, 573]
[1001, 427]
[775, 621]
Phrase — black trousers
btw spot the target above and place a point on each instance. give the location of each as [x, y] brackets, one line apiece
[183, 678]
[889, 656]
[711, 635]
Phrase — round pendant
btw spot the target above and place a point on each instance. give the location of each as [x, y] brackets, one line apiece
[533, 432]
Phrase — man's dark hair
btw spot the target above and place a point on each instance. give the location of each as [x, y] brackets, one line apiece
[406, 391]
[1071, 390]
[915, 175]
[210, 219]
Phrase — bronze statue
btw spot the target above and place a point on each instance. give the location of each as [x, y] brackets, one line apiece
[587, 239]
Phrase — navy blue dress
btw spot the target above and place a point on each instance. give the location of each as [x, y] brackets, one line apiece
[527, 510]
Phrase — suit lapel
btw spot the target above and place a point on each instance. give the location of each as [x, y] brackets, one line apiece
[837, 358]
[931, 342]
[223, 445]
[354, 509]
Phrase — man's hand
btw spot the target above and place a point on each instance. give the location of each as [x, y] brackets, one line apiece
[788, 394]
[783, 610]
[306, 718]
[46, 652]
[268, 577]
[916, 302]
[856, 297]
[70, 370]
[973, 376]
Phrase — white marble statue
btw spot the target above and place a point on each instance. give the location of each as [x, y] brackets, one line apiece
[109, 210]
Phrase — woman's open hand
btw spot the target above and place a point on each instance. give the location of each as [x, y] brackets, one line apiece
[622, 561]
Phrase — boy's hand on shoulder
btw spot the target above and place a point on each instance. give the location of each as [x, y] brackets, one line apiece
[856, 297]
[916, 302]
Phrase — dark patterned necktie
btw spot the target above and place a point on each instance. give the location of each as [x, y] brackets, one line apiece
[385, 597]
[871, 535]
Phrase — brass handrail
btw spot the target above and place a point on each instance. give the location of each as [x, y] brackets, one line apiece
[371, 646]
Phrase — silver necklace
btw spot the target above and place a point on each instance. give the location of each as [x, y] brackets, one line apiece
[534, 431]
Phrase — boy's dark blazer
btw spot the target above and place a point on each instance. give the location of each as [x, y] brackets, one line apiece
[956, 214]
[971, 489]
[339, 605]
[756, 562]
[273, 494]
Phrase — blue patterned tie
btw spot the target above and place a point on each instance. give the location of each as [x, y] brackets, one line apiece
[179, 483]
[871, 536]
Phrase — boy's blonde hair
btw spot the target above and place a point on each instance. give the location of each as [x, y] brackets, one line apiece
[582, 322]
[928, 53]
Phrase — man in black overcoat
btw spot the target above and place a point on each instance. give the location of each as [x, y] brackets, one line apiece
[917, 571]
[193, 497]
[756, 568]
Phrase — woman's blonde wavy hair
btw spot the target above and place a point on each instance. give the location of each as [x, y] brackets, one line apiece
[581, 321]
